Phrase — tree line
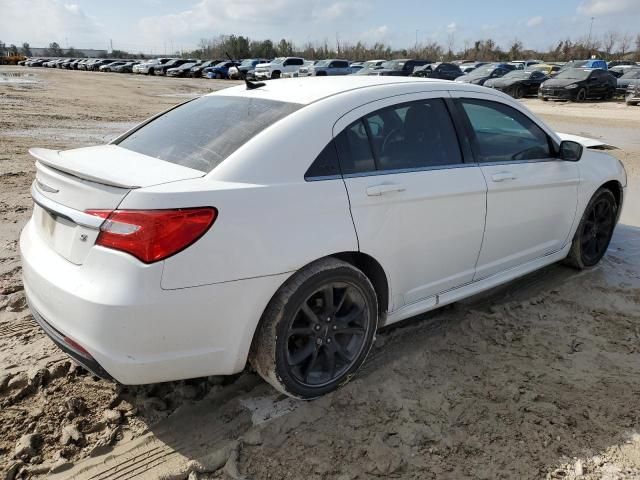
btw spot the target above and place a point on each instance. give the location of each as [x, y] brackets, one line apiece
[611, 46]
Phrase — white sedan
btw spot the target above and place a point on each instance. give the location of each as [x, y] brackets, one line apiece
[283, 224]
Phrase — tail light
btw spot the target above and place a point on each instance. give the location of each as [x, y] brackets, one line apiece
[153, 235]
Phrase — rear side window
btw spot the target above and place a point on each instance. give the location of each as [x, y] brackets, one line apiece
[200, 134]
[503, 134]
[326, 165]
[408, 136]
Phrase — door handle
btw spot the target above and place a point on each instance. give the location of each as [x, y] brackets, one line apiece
[503, 176]
[377, 190]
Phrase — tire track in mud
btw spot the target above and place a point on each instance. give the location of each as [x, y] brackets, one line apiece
[197, 438]
[17, 328]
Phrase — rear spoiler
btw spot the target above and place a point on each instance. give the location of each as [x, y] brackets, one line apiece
[587, 142]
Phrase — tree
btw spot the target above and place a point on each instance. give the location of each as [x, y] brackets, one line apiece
[515, 49]
[609, 41]
[54, 50]
[26, 50]
[285, 48]
[625, 44]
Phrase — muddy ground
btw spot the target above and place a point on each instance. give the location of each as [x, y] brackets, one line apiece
[536, 379]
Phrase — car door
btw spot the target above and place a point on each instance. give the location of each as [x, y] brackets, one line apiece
[417, 207]
[532, 195]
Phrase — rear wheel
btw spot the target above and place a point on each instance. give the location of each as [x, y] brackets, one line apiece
[317, 330]
[594, 232]
[518, 92]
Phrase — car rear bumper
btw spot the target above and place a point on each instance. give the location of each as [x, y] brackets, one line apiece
[135, 332]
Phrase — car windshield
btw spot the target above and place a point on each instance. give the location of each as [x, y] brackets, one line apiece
[518, 74]
[248, 63]
[322, 63]
[574, 74]
[221, 64]
[481, 72]
[632, 74]
[393, 64]
[277, 60]
[370, 64]
[184, 66]
[201, 133]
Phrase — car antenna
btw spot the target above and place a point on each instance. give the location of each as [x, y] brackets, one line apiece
[250, 85]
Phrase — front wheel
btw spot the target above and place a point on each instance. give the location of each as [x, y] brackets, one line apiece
[582, 95]
[275, 75]
[594, 232]
[317, 330]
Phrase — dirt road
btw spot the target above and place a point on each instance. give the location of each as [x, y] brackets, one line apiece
[536, 379]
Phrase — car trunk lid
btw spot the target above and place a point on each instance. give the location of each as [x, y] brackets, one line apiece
[70, 182]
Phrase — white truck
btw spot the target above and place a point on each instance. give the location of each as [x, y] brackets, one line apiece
[278, 66]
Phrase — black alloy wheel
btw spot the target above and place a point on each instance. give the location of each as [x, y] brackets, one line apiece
[595, 230]
[581, 96]
[326, 334]
[317, 329]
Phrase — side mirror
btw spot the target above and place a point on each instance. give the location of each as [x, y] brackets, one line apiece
[570, 151]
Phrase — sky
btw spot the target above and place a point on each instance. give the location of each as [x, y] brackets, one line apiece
[164, 26]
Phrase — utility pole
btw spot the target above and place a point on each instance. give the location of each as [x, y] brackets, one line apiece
[416, 46]
[590, 30]
[111, 44]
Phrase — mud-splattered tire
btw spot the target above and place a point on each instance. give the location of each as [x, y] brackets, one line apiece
[594, 232]
[317, 330]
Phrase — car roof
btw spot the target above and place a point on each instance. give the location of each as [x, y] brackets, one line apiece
[308, 90]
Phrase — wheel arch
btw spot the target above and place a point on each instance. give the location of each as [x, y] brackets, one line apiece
[616, 188]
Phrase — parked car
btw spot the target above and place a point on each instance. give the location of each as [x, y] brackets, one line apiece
[592, 63]
[398, 68]
[631, 76]
[620, 70]
[481, 74]
[127, 67]
[152, 256]
[196, 70]
[246, 68]
[546, 68]
[161, 69]
[87, 65]
[578, 84]
[150, 67]
[276, 67]
[302, 71]
[524, 64]
[469, 67]
[182, 70]
[108, 67]
[368, 66]
[38, 62]
[618, 63]
[518, 83]
[329, 67]
[95, 66]
[632, 96]
[442, 71]
[220, 70]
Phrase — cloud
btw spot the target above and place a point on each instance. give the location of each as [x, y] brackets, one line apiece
[41, 22]
[608, 7]
[534, 21]
[452, 27]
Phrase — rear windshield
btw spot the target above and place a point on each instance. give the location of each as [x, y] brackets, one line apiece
[200, 134]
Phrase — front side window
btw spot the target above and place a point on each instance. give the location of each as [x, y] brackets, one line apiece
[200, 134]
[414, 135]
[502, 134]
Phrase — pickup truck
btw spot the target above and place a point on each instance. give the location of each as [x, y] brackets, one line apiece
[277, 67]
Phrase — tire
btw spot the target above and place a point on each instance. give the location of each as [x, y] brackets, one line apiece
[275, 75]
[593, 235]
[544, 99]
[581, 96]
[330, 344]
[218, 76]
[518, 92]
[151, 72]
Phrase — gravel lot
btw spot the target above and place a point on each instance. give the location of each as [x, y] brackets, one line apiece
[536, 379]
